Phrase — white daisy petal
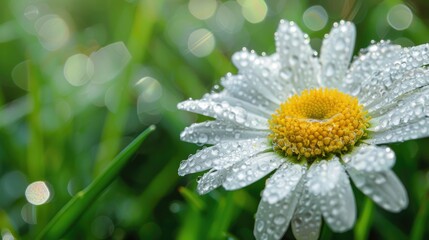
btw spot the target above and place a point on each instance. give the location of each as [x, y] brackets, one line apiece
[370, 158]
[252, 169]
[211, 180]
[336, 52]
[296, 56]
[369, 64]
[283, 182]
[224, 112]
[222, 155]
[225, 96]
[272, 220]
[307, 219]
[384, 188]
[263, 71]
[415, 130]
[375, 88]
[329, 183]
[411, 87]
[213, 132]
[409, 109]
[249, 89]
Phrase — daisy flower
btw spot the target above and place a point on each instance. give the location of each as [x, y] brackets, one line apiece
[317, 122]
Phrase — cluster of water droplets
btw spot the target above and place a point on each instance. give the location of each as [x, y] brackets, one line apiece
[370, 158]
[259, 77]
[213, 132]
[380, 83]
[222, 155]
[272, 220]
[413, 130]
[251, 169]
[370, 62]
[336, 53]
[413, 84]
[407, 119]
[328, 182]
[307, 219]
[382, 187]
[299, 64]
[283, 182]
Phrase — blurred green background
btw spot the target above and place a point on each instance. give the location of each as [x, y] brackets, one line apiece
[80, 79]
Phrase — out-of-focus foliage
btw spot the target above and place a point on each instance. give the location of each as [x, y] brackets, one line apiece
[80, 79]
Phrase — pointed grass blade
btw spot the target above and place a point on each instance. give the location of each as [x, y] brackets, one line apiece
[77, 206]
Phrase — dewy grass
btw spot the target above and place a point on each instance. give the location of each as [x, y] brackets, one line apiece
[77, 206]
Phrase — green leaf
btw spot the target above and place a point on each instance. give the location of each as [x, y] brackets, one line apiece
[78, 205]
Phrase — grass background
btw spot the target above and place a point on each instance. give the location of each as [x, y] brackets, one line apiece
[65, 133]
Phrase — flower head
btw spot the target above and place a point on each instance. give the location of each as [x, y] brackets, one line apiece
[317, 122]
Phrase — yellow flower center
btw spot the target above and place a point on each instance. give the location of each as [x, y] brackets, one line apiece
[317, 123]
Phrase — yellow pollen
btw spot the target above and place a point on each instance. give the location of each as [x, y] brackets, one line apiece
[318, 122]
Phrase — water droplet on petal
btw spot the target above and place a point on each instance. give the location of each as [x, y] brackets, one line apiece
[279, 220]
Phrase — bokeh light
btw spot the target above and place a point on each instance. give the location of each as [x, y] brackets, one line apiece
[254, 11]
[78, 69]
[202, 9]
[400, 17]
[109, 61]
[201, 42]
[6, 235]
[53, 31]
[229, 17]
[150, 92]
[38, 193]
[102, 227]
[315, 18]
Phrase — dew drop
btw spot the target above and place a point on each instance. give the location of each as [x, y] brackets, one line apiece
[340, 44]
[329, 70]
[279, 220]
[380, 180]
[286, 73]
[259, 225]
[202, 138]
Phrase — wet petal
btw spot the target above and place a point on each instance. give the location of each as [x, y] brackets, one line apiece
[272, 220]
[412, 87]
[402, 133]
[224, 112]
[248, 89]
[262, 73]
[377, 87]
[370, 158]
[336, 52]
[328, 182]
[384, 188]
[225, 96]
[222, 155]
[296, 56]
[211, 180]
[408, 110]
[369, 64]
[252, 169]
[307, 220]
[283, 182]
[213, 132]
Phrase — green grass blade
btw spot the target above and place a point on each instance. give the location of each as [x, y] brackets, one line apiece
[420, 224]
[76, 207]
[364, 222]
